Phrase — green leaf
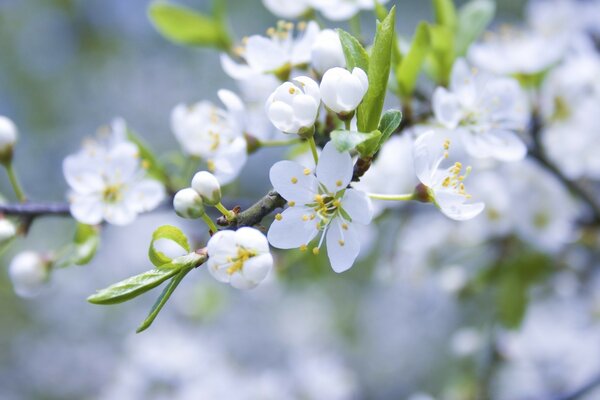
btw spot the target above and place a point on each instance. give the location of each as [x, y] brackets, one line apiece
[354, 52]
[408, 70]
[154, 168]
[390, 121]
[442, 55]
[132, 287]
[381, 12]
[162, 299]
[183, 25]
[168, 232]
[349, 140]
[87, 239]
[445, 13]
[370, 146]
[378, 73]
[473, 19]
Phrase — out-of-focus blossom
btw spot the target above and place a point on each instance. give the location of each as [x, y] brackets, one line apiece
[445, 186]
[108, 182]
[287, 8]
[7, 229]
[241, 258]
[29, 273]
[340, 10]
[327, 52]
[214, 134]
[293, 107]
[320, 203]
[8, 138]
[342, 91]
[465, 342]
[486, 112]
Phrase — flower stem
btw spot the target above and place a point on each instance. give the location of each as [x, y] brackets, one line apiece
[210, 223]
[392, 197]
[347, 124]
[279, 143]
[313, 149]
[14, 181]
[226, 213]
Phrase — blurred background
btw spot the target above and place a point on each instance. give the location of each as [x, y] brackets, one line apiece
[388, 329]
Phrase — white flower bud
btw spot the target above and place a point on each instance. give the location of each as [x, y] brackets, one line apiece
[327, 52]
[293, 108]
[28, 272]
[343, 91]
[208, 187]
[188, 204]
[7, 229]
[8, 138]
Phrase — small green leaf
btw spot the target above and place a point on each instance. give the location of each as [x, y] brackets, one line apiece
[473, 19]
[162, 299]
[370, 146]
[445, 13]
[87, 239]
[408, 70]
[378, 73]
[390, 121]
[349, 140]
[183, 25]
[442, 55]
[154, 168]
[168, 232]
[381, 12]
[132, 287]
[355, 54]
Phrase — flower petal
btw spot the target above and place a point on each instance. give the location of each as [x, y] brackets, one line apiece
[343, 245]
[87, 208]
[292, 182]
[446, 108]
[334, 169]
[358, 205]
[292, 231]
[257, 268]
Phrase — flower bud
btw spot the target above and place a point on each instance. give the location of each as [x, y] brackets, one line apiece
[208, 187]
[343, 91]
[28, 272]
[188, 204]
[8, 138]
[293, 108]
[7, 229]
[327, 52]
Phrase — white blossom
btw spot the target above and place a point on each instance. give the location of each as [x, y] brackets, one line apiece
[340, 10]
[280, 52]
[214, 134]
[188, 204]
[342, 91]
[445, 186]
[320, 203]
[108, 182]
[8, 137]
[287, 8]
[28, 272]
[207, 186]
[486, 112]
[327, 52]
[241, 258]
[293, 108]
[7, 229]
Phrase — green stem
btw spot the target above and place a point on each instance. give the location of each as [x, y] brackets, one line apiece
[14, 181]
[347, 124]
[226, 213]
[392, 197]
[313, 149]
[210, 223]
[279, 143]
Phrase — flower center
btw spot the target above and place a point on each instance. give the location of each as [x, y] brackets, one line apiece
[237, 263]
[454, 180]
[112, 193]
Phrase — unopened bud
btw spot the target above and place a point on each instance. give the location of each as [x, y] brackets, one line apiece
[7, 230]
[188, 204]
[8, 138]
[28, 272]
[208, 187]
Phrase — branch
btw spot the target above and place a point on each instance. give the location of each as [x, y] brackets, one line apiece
[33, 210]
[256, 212]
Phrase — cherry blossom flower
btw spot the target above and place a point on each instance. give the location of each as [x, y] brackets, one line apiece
[293, 108]
[287, 8]
[445, 186]
[342, 91]
[28, 272]
[327, 52]
[214, 134]
[108, 182]
[8, 137]
[486, 112]
[320, 203]
[240, 258]
[340, 10]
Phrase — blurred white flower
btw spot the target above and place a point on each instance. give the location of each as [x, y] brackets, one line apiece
[7, 229]
[485, 111]
[287, 8]
[8, 137]
[29, 272]
[340, 10]
[187, 203]
[108, 182]
[327, 52]
[445, 186]
[320, 203]
[342, 91]
[241, 258]
[293, 108]
[214, 134]
[207, 186]
[277, 54]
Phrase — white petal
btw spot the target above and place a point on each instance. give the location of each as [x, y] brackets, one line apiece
[358, 205]
[230, 160]
[218, 271]
[251, 238]
[264, 55]
[87, 208]
[507, 146]
[146, 195]
[239, 281]
[350, 92]
[292, 231]
[452, 205]
[119, 213]
[283, 174]
[334, 169]
[428, 153]
[123, 162]
[235, 70]
[343, 246]
[301, 50]
[222, 245]
[257, 268]
[305, 110]
[446, 108]
[281, 115]
[82, 173]
[462, 83]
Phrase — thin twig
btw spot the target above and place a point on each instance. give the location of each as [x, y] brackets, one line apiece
[255, 213]
[33, 210]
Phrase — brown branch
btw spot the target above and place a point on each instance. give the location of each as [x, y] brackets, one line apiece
[255, 213]
[33, 210]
